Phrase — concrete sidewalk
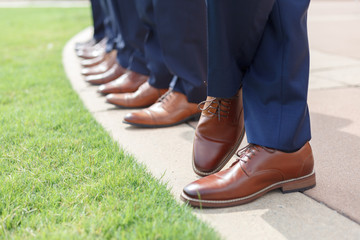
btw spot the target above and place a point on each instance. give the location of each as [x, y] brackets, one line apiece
[329, 211]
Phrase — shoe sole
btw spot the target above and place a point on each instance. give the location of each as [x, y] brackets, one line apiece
[223, 162]
[194, 117]
[293, 185]
[126, 107]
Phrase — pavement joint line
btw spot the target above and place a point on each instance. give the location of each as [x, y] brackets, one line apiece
[324, 69]
[337, 18]
[345, 84]
[351, 85]
[326, 205]
[332, 54]
[333, 88]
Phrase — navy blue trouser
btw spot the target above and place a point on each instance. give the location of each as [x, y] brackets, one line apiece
[262, 45]
[175, 46]
[98, 20]
[124, 51]
[110, 30]
[133, 33]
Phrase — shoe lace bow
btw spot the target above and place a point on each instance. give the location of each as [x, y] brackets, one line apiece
[216, 106]
[164, 97]
[246, 153]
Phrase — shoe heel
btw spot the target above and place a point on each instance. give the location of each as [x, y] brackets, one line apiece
[300, 185]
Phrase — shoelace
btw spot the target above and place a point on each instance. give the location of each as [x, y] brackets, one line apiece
[246, 153]
[164, 97]
[219, 107]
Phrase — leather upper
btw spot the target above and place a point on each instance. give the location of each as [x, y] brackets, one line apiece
[128, 82]
[92, 51]
[218, 134]
[93, 61]
[106, 64]
[113, 73]
[172, 108]
[145, 96]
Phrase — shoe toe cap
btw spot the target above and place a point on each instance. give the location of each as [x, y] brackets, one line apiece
[192, 190]
[116, 99]
[101, 88]
[141, 118]
[85, 71]
[110, 97]
[209, 156]
[132, 118]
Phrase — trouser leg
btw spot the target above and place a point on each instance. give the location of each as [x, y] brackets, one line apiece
[160, 76]
[181, 27]
[276, 84]
[109, 31]
[124, 50]
[133, 32]
[269, 56]
[234, 32]
[98, 20]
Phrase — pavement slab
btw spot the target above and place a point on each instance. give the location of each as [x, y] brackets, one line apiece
[322, 61]
[166, 153]
[349, 76]
[335, 118]
[333, 71]
[334, 27]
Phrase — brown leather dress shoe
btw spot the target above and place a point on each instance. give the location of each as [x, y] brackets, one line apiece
[106, 64]
[95, 61]
[128, 82]
[218, 134]
[92, 51]
[171, 109]
[90, 44]
[82, 45]
[113, 73]
[257, 171]
[90, 54]
[145, 96]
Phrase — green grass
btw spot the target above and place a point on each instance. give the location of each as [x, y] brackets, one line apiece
[61, 175]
